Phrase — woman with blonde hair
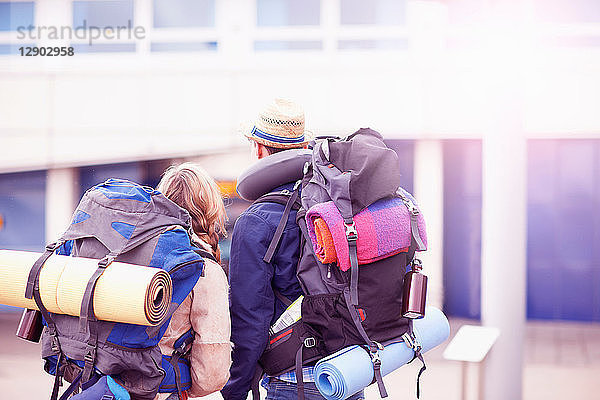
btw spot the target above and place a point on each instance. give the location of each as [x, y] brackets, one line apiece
[206, 309]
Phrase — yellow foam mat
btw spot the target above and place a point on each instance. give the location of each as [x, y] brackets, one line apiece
[124, 292]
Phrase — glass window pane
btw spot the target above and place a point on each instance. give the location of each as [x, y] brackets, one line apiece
[466, 11]
[567, 41]
[102, 13]
[275, 45]
[22, 199]
[15, 15]
[381, 44]
[184, 13]
[92, 176]
[183, 46]
[104, 48]
[567, 11]
[374, 12]
[288, 12]
[13, 49]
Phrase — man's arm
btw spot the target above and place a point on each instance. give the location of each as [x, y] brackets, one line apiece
[251, 300]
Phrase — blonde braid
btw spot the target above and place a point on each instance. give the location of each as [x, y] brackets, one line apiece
[191, 188]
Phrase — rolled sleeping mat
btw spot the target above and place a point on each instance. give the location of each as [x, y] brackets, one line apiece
[350, 370]
[125, 293]
[270, 172]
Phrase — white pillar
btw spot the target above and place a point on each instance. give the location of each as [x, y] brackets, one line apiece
[142, 14]
[53, 13]
[429, 192]
[61, 199]
[330, 23]
[503, 244]
[235, 22]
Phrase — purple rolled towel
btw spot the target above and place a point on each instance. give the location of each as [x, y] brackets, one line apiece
[383, 230]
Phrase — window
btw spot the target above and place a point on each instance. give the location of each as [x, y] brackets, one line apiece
[184, 13]
[101, 14]
[373, 12]
[466, 11]
[571, 42]
[288, 12]
[275, 45]
[14, 15]
[183, 46]
[13, 49]
[22, 205]
[92, 176]
[380, 44]
[567, 11]
[103, 48]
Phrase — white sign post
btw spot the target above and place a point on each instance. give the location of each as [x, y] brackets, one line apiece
[471, 344]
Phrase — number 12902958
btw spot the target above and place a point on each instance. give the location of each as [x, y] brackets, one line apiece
[46, 51]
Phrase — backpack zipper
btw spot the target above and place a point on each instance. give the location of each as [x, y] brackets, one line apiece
[328, 271]
[185, 264]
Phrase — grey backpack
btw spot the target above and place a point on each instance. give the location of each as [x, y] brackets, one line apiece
[123, 221]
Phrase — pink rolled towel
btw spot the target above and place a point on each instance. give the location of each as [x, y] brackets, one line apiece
[383, 230]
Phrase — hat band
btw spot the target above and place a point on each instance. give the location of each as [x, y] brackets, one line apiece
[276, 139]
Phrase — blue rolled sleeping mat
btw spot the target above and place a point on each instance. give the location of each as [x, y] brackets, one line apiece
[350, 370]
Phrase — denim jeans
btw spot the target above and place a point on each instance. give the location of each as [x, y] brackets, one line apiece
[280, 390]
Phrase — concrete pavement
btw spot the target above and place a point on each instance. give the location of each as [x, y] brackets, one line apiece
[562, 361]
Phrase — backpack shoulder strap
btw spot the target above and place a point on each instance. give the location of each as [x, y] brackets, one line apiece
[287, 302]
[281, 197]
[291, 201]
[205, 254]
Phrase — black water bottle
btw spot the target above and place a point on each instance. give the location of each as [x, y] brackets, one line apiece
[31, 326]
[414, 292]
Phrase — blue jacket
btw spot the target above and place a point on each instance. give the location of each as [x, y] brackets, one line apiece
[254, 307]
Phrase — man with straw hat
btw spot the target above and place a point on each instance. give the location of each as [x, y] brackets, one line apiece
[259, 289]
[279, 126]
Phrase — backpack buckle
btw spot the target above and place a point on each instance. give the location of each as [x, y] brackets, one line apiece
[412, 341]
[351, 232]
[182, 350]
[54, 343]
[310, 342]
[106, 261]
[375, 357]
[416, 264]
[90, 356]
[51, 246]
[412, 208]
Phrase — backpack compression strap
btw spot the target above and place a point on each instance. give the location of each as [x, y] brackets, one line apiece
[182, 347]
[341, 197]
[307, 342]
[411, 341]
[416, 245]
[87, 319]
[33, 291]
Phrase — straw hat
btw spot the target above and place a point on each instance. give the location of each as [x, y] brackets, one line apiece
[280, 124]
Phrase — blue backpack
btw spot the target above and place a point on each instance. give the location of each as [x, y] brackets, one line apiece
[119, 220]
